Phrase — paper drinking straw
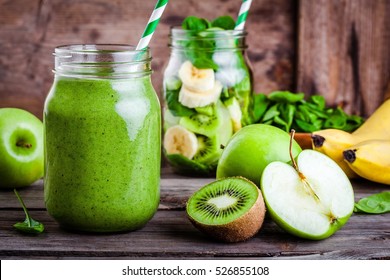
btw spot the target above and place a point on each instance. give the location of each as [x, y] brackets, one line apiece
[152, 24]
[242, 14]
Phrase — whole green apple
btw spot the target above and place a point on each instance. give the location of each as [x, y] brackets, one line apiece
[252, 148]
[21, 148]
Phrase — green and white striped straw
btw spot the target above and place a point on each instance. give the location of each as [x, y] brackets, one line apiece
[152, 24]
[242, 14]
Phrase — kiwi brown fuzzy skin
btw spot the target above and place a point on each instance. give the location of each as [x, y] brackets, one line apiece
[241, 229]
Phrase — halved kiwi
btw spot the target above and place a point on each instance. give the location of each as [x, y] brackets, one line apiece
[230, 210]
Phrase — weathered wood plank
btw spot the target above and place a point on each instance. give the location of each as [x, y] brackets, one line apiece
[170, 234]
[343, 52]
[30, 30]
[175, 191]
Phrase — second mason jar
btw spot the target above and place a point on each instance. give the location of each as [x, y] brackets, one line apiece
[102, 139]
[207, 97]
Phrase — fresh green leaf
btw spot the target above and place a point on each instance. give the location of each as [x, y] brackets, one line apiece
[203, 62]
[305, 126]
[318, 100]
[285, 96]
[271, 113]
[353, 122]
[224, 22]
[288, 115]
[281, 123]
[260, 104]
[375, 204]
[176, 108]
[337, 119]
[195, 23]
[29, 225]
[309, 116]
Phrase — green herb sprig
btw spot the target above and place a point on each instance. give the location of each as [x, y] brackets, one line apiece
[29, 225]
[288, 110]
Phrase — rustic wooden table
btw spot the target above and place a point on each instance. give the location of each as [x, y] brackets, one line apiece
[169, 235]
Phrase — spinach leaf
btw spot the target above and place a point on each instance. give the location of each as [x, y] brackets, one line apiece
[353, 122]
[271, 113]
[317, 100]
[289, 110]
[374, 204]
[336, 120]
[224, 22]
[260, 104]
[285, 96]
[195, 23]
[29, 225]
[307, 127]
[176, 108]
[200, 52]
[203, 62]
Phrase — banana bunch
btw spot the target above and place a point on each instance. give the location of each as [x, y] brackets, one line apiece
[362, 151]
[200, 88]
[370, 159]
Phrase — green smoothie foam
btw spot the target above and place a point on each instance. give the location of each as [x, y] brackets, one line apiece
[102, 153]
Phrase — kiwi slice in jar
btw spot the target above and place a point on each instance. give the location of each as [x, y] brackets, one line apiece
[230, 210]
[209, 150]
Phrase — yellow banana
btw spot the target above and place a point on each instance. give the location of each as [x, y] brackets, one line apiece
[371, 160]
[333, 142]
[377, 126]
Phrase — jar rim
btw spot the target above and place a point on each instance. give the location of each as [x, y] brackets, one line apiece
[178, 30]
[87, 48]
[111, 60]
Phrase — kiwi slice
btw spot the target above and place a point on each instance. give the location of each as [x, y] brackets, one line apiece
[230, 210]
[209, 150]
[208, 110]
[201, 124]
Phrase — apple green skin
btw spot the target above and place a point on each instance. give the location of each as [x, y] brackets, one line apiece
[339, 223]
[21, 148]
[252, 148]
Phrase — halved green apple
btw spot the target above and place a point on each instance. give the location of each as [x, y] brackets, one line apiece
[311, 199]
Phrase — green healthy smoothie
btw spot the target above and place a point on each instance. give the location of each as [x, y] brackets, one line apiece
[102, 153]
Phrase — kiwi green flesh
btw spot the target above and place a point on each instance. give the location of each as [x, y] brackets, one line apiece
[222, 201]
[209, 150]
[201, 124]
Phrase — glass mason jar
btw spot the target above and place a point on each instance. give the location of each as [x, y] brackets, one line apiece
[208, 96]
[102, 139]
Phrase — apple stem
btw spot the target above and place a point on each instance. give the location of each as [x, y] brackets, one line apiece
[308, 187]
[23, 144]
[290, 150]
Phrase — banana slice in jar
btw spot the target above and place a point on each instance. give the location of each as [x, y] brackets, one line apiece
[179, 140]
[195, 79]
[192, 99]
[235, 113]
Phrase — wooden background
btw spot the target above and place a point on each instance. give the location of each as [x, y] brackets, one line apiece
[338, 48]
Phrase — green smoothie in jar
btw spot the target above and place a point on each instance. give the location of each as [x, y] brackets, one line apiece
[102, 139]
